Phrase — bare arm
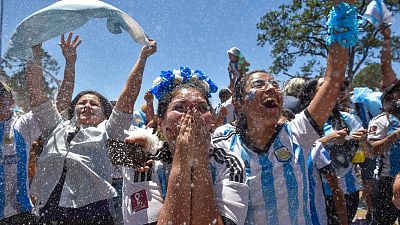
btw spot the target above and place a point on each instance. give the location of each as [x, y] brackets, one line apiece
[338, 197]
[388, 74]
[380, 146]
[34, 78]
[64, 94]
[321, 106]
[132, 86]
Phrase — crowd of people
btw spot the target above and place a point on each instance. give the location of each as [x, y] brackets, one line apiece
[264, 155]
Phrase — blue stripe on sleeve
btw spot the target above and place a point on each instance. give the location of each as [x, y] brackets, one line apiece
[299, 153]
[22, 176]
[311, 181]
[267, 185]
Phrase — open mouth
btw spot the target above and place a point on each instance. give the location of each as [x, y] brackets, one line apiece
[270, 103]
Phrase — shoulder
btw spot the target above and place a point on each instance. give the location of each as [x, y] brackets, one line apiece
[223, 132]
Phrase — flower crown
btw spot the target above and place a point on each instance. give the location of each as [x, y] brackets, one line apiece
[168, 80]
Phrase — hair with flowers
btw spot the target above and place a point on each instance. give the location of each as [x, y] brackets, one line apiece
[168, 80]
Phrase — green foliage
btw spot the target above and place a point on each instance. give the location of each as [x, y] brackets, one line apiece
[297, 30]
[13, 71]
[370, 76]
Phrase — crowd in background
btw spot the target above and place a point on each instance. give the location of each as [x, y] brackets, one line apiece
[297, 154]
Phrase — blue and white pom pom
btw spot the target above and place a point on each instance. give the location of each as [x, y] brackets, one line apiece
[343, 25]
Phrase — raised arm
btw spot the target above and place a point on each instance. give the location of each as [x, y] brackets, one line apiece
[132, 86]
[64, 94]
[34, 78]
[388, 74]
[321, 106]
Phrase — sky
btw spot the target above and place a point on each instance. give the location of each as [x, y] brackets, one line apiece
[189, 33]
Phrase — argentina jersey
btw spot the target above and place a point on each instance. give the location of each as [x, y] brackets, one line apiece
[277, 178]
[391, 158]
[144, 192]
[16, 136]
[318, 162]
[348, 182]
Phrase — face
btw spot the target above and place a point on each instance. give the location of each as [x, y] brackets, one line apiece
[185, 99]
[88, 110]
[262, 101]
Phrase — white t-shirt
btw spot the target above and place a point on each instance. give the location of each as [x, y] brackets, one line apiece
[144, 193]
[278, 177]
[16, 137]
[380, 127]
[230, 117]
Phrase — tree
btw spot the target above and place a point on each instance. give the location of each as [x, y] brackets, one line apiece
[12, 71]
[370, 76]
[297, 30]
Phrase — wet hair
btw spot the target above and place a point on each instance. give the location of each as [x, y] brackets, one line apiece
[293, 86]
[307, 93]
[387, 95]
[106, 107]
[166, 99]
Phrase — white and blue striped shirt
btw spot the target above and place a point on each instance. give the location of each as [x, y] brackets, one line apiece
[348, 183]
[16, 137]
[318, 160]
[278, 177]
[380, 127]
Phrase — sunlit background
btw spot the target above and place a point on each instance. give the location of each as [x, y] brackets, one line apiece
[189, 33]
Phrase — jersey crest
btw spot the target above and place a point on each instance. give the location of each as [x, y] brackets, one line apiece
[283, 154]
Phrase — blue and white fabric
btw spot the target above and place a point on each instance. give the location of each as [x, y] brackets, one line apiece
[16, 137]
[369, 102]
[377, 13]
[227, 170]
[380, 127]
[348, 183]
[277, 178]
[318, 159]
[65, 16]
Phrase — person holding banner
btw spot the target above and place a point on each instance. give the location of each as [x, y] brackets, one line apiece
[72, 182]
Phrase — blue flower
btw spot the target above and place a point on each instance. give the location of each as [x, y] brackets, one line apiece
[186, 73]
[166, 82]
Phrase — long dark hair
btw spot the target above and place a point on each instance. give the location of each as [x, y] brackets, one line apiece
[238, 95]
[106, 107]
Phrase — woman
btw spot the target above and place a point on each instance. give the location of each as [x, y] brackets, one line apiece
[72, 182]
[275, 154]
[186, 184]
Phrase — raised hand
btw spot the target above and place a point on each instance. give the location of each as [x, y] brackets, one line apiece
[37, 52]
[335, 138]
[69, 47]
[359, 135]
[149, 50]
[148, 96]
[386, 31]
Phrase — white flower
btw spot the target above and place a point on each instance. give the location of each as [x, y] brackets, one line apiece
[178, 79]
[176, 72]
[157, 81]
[205, 85]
